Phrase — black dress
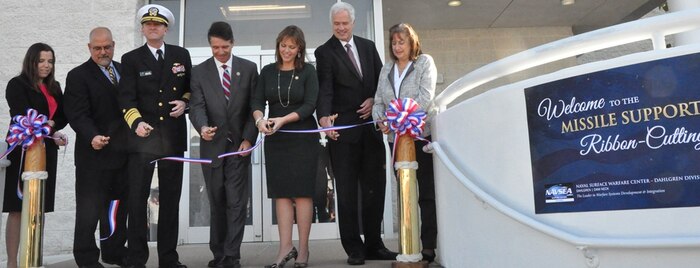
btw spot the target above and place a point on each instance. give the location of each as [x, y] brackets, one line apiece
[20, 96]
[291, 158]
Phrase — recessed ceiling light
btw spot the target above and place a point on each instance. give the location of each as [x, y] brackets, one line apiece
[567, 2]
[454, 3]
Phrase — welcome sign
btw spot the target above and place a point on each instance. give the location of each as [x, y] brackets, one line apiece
[623, 138]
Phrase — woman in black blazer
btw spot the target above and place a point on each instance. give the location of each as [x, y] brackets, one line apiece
[35, 88]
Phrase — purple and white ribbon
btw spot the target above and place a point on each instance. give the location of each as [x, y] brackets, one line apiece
[324, 129]
[257, 144]
[184, 160]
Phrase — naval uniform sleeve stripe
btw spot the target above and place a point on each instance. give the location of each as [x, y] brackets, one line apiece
[186, 96]
[131, 115]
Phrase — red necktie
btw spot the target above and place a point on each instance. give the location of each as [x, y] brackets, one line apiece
[226, 82]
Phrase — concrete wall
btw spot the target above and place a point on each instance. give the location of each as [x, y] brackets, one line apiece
[65, 26]
[460, 51]
[613, 52]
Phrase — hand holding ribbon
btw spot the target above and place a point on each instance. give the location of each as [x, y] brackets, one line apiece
[262, 127]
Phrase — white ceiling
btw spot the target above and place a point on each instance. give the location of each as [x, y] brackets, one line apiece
[584, 15]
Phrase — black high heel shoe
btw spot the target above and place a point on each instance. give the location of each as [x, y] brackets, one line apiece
[291, 255]
[428, 255]
[302, 264]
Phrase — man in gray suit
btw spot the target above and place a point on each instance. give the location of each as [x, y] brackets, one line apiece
[220, 111]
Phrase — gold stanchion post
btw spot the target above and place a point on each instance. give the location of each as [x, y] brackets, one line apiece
[409, 233]
[32, 228]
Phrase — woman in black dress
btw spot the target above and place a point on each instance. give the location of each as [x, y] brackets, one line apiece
[290, 87]
[35, 88]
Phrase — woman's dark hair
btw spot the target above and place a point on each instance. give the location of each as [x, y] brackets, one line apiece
[413, 41]
[30, 69]
[297, 35]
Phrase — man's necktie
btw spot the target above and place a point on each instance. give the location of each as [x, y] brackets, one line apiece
[352, 58]
[226, 82]
[112, 77]
[161, 60]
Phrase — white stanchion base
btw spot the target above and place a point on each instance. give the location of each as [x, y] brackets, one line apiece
[409, 257]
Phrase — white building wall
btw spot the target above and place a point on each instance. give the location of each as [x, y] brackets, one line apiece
[65, 26]
[624, 49]
[460, 51]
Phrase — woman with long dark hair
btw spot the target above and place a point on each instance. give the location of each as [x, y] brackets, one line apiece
[290, 87]
[36, 88]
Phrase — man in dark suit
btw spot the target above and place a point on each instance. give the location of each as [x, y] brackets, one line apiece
[153, 95]
[220, 111]
[348, 70]
[100, 155]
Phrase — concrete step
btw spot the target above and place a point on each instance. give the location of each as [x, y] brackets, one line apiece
[323, 253]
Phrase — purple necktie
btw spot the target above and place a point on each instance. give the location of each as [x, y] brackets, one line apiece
[352, 58]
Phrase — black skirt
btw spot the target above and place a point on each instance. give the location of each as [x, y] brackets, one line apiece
[13, 175]
[291, 161]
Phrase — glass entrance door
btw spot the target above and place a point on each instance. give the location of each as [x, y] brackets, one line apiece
[255, 32]
[261, 224]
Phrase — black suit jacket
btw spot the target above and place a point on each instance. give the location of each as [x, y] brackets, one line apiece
[20, 96]
[92, 109]
[209, 107]
[144, 92]
[341, 90]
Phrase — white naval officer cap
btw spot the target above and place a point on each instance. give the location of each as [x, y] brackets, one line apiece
[157, 13]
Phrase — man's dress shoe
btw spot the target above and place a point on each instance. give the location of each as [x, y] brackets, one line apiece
[381, 254]
[356, 259]
[228, 262]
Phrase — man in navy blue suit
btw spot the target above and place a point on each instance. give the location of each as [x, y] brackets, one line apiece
[153, 95]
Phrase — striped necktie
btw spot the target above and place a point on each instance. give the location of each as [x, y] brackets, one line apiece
[226, 82]
[112, 77]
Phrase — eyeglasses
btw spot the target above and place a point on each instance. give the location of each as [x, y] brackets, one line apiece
[105, 48]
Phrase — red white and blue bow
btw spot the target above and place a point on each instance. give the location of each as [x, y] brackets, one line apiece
[27, 129]
[405, 117]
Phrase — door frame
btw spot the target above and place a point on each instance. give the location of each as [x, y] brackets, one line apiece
[262, 228]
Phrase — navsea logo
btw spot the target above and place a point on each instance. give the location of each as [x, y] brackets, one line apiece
[558, 193]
